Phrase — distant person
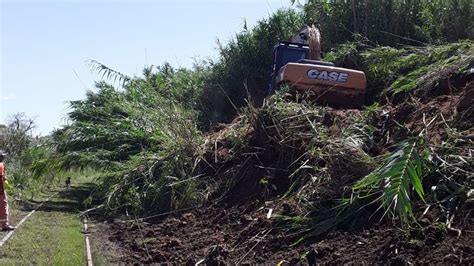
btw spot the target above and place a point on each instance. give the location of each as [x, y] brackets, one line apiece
[3, 196]
[68, 182]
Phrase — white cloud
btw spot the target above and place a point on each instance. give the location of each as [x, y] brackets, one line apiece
[9, 97]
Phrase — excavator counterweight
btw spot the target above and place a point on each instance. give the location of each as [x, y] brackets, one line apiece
[298, 64]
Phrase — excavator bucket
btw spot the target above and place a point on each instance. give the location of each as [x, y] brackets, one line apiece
[326, 84]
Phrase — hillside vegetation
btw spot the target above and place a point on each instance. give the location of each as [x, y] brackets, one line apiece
[209, 146]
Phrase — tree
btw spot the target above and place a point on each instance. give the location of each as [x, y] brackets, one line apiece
[17, 135]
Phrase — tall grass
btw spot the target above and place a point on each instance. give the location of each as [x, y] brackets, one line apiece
[141, 132]
[391, 22]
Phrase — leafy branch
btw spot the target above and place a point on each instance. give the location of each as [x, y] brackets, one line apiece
[109, 73]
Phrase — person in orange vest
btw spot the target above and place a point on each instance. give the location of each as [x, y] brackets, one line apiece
[3, 196]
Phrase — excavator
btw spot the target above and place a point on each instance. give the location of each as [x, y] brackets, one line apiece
[298, 64]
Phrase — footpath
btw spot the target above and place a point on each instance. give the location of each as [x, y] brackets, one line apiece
[53, 234]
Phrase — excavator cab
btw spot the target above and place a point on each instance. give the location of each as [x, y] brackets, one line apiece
[287, 52]
[298, 65]
[284, 53]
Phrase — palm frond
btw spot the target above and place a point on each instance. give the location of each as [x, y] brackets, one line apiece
[388, 187]
[394, 179]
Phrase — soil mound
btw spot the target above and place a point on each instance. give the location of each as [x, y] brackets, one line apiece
[286, 162]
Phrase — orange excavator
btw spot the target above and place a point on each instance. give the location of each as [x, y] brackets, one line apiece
[298, 64]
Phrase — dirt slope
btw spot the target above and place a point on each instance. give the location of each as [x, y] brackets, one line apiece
[235, 227]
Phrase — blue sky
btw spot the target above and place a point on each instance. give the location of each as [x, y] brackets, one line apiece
[45, 45]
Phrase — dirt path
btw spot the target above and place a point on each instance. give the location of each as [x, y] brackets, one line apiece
[243, 235]
[53, 234]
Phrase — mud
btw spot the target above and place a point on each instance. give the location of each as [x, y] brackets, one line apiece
[243, 235]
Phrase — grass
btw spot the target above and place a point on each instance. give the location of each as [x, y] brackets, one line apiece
[47, 238]
[52, 235]
[405, 70]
